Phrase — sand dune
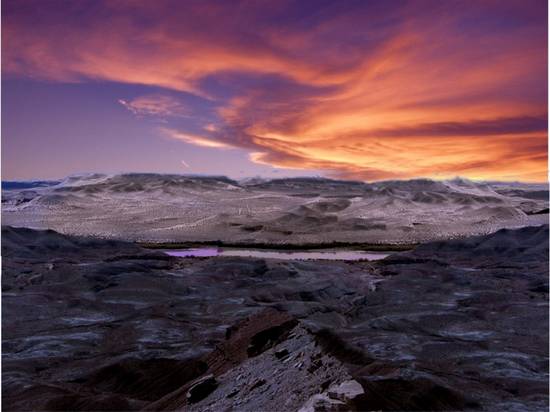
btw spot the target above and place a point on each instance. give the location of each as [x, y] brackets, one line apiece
[280, 211]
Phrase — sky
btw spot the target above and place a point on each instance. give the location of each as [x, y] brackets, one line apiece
[366, 90]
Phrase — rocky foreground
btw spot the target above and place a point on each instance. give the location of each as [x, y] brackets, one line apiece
[91, 324]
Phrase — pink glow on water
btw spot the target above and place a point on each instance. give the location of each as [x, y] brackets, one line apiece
[278, 254]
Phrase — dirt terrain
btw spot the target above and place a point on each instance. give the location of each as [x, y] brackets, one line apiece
[175, 208]
[91, 324]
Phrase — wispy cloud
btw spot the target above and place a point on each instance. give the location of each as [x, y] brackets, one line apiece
[156, 105]
[194, 139]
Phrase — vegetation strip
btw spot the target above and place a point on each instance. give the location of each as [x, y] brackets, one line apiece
[285, 246]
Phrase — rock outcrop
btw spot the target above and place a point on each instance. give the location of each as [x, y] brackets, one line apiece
[98, 325]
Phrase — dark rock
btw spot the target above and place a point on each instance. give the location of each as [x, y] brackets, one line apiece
[202, 388]
[415, 394]
[316, 364]
[145, 379]
[80, 402]
[267, 338]
[233, 393]
[334, 345]
[257, 384]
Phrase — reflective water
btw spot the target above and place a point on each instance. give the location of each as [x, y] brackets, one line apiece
[278, 254]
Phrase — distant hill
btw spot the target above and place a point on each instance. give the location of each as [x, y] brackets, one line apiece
[291, 211]
[30, 184]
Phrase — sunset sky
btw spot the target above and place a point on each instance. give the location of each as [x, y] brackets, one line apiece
[368, 90]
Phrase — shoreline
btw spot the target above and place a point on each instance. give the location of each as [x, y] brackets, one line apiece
[372, 247]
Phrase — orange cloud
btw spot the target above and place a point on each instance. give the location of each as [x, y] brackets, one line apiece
[428, 89]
